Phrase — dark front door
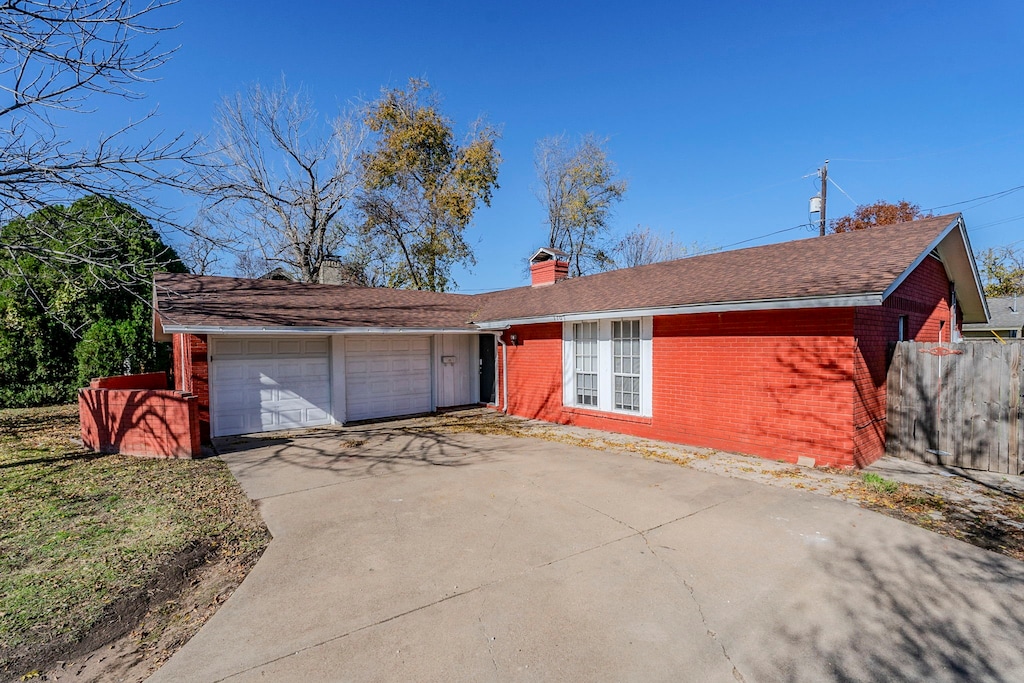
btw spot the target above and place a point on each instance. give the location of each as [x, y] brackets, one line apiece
[487, 384]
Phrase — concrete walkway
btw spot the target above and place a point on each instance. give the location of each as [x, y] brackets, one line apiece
[402, 553]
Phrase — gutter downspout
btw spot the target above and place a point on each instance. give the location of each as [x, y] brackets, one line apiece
[504, 371]
[181, 350]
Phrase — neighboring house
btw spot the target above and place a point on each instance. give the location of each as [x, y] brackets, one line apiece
[1005, 321]
[278, 273]
[779, 351]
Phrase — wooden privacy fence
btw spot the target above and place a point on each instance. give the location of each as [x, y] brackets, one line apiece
[957, 404]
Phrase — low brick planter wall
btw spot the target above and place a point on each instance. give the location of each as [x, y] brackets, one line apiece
[139, 415]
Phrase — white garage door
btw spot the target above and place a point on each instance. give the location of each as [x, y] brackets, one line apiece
[386, 376]
[260, 384]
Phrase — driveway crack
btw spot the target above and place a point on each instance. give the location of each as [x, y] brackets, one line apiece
[497, 536]
[700, 610]
[490, 648]
[642, 533]
[355, 630]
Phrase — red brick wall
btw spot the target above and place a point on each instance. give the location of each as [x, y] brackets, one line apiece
[192, 374]
[770, 383]
[548, 272]
[535, 371]
[147, 422]
[924, 298]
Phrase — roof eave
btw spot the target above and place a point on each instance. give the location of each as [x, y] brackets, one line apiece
[954, 249]
[837, 301]
[310, 330]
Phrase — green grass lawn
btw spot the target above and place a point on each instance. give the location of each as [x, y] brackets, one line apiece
[79, 531]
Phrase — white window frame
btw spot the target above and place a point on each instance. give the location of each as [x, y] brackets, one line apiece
[590, 328]
[621, 374]
[606, 380]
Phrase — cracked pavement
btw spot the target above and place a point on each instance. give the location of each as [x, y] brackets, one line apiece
[402, 553]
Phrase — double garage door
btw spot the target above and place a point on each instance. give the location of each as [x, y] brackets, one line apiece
[260, 384]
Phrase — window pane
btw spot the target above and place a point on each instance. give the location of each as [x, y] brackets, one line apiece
[626, 364]
[585, 354]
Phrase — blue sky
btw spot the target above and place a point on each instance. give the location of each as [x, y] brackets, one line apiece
[714, 112]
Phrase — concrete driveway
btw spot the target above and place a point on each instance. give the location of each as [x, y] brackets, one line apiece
[402, 554]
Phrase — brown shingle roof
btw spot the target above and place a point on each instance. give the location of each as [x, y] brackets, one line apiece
[202, 301]
[863, 262]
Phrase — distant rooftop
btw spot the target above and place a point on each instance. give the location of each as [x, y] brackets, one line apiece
[1004, 313]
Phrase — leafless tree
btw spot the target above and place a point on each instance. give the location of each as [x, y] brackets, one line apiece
[578, 189]
[57, 59]
[283, 177]
[642, 245]
[202, 251]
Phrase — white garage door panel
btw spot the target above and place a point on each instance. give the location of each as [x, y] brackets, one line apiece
[268, 384]
[386, 376]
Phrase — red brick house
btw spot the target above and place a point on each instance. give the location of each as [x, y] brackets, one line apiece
[779, 350]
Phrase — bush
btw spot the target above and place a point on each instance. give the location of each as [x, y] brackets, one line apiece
[120, 348]
[36, 359]
[64, 321]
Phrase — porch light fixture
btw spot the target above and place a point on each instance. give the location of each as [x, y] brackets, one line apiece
[514, 338]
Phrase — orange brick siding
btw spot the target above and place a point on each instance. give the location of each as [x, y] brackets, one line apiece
[769, 383]
[548, 272]
[192, 375]
[535, 371]
[779, 384]
[147, 422]
[924, 297]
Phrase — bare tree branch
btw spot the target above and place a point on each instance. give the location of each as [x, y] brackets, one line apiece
[643, 245]
[285, 177]
[58, 58]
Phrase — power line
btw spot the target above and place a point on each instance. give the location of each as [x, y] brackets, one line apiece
[752, 239]
[999, 222]
[844, 192]
[940, 152]
[996, 195]
[810, 225]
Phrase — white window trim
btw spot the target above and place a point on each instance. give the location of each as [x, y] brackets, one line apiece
[605, 382]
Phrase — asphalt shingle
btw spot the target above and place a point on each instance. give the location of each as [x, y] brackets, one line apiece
[863, 262]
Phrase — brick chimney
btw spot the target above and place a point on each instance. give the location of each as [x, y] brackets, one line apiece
[548, 266]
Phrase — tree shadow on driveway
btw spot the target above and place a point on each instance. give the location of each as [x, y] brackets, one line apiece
[320, 457]
[960, 620]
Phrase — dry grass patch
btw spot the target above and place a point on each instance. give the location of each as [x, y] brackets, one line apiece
[87, 541]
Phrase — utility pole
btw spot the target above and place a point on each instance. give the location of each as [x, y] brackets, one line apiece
[823, 172]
